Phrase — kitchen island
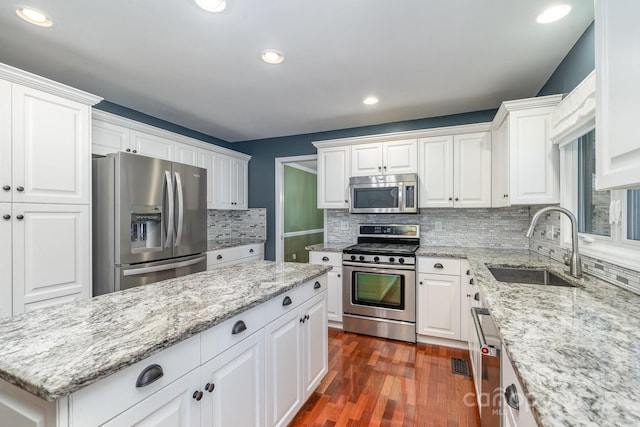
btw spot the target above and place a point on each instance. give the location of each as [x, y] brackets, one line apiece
[56, 352]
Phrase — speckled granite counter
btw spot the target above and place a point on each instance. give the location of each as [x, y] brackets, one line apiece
[54, 352]
[329, 247]
[576, 350]
[213, 245]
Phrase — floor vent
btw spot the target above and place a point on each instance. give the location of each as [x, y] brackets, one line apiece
[460, 367]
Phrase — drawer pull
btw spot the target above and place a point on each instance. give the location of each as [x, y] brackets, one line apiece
[511, 395]
[150, 374]
[438, 265]
[197, 395]
[325, 258]
[468, 272]
[251, 250]
[238, 327]
[219, 257]
[286, 301]
[317, 285]
[209, 387]
[471, 281]
[477, 296]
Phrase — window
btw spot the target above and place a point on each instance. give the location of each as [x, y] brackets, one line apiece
[608, 220]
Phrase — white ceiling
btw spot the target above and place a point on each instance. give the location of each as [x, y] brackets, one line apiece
[172, 60]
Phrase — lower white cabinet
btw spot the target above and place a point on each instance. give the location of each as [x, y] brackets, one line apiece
[234, 385]
[334, 282]
[438, 295]
[296, 346]
[234, 255]
[6, 288]
[516, 411]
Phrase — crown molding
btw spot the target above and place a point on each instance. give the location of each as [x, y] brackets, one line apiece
[575, 115]
[524, 104]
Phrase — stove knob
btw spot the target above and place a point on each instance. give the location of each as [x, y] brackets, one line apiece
[353, 257]
[376, 258]
[401, 260]
[361, 257]
[392, 259]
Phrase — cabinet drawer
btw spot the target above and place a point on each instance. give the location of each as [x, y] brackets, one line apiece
[251, 250]
[521, 417]
[108, 397]
[231, 331]
[325, 258]
[286, 302]
[449, 266]
[222, 257]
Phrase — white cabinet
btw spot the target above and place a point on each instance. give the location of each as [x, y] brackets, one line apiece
[617, 93]
[381, 158]
[185, 153]
[296, 355]
[334, 282]
[525, 160]
[174, 405]
[439, 298]
[45, 192]
[208, 160]
[109, 138]
[6, 264]
[234, 385]
[467, 284]
[455, 171]
[234, 255]
[232, 183]
[151, 145]
[333, 177]
[516, 413]
[51, 253]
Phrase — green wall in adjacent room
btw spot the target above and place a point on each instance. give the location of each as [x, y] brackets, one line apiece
[296, 245]
[300, 199]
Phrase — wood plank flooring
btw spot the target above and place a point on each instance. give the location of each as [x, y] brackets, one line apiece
[377, 382]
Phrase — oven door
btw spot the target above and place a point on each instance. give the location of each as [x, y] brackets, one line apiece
[387, 293]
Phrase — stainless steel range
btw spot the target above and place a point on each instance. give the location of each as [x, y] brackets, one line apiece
[379, 292]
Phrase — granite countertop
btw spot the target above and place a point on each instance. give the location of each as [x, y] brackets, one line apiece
[329, 246]
[53, 352]
[575, 350]
[215, 244]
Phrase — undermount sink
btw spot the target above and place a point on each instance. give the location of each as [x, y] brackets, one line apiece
[535, 276]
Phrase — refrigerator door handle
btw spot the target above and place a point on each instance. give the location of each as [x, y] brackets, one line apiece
[180, 209]
[169, 234]
[163, 267]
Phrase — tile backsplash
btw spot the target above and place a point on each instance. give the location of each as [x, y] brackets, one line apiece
[488, 227]
[249, 224]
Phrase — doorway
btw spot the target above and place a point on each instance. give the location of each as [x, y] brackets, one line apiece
[299, 222]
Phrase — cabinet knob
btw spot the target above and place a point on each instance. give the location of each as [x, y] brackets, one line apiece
[6, 187]
[421, 283]
[197, 395]
[346, 201]
[505, 195]
[135, 151]
[209, 387]
[385, 168]
[468, 295]
[219, 257]
[339, 275]
[379, 168]
[450, 198]
[456, 199]
[20, 217]
[6, 216]
[20, 188]
[325, 258]
[128, 150]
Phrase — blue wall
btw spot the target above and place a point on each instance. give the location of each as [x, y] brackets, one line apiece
[262, 165]
[120, 110]
[577, 65]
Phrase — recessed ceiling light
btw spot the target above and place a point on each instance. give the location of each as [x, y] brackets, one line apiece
[553, 14]
[272, 56]
[370, 100]
[34, 16]
[212, 5]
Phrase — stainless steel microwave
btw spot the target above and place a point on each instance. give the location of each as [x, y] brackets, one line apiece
[384, 194]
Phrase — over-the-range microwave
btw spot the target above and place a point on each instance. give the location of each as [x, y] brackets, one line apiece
[384, 194]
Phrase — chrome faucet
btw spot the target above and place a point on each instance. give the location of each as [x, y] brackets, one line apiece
[575, 265]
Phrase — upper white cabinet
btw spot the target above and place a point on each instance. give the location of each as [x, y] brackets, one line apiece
[231, 183]
[617, 93]
[455, 171]
[227, 170]
[333, 177]
[381, 158]
[526, 163]
[44, 151]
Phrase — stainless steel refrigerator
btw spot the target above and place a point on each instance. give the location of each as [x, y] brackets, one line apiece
[149, 221]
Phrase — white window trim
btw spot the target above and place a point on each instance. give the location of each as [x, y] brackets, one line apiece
[574, 117]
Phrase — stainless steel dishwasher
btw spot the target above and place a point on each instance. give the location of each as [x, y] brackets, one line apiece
[490, 398]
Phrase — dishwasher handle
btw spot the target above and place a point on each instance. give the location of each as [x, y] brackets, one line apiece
[485, 349]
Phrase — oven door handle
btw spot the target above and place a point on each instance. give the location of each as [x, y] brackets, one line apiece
[485, 349]
[379, 266]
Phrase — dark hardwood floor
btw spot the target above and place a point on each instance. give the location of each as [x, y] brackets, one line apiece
[377, 382]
